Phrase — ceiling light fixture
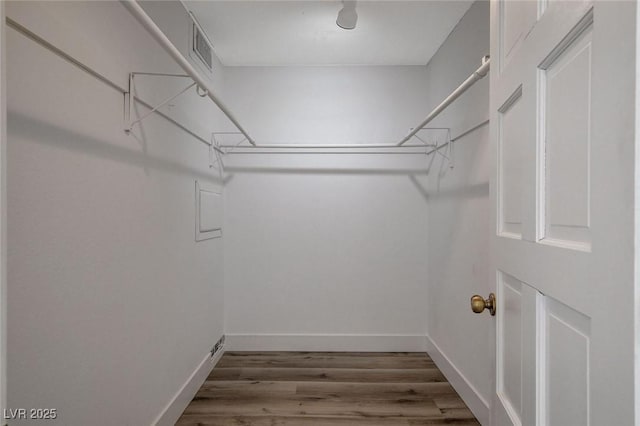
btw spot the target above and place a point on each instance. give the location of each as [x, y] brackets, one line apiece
[347, 17]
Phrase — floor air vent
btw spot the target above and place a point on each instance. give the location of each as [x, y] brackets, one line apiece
[217, 346]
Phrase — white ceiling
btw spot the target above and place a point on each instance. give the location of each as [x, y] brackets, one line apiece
[305, 33]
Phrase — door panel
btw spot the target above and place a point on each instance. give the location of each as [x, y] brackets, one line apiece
[511, 120]
[518, 331]
[565, 120]
[566, 337]
[563, 137]
[510, 334]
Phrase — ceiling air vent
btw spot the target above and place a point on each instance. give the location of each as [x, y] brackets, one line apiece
[201, 45]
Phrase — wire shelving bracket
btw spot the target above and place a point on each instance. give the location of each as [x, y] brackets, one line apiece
[130, 97]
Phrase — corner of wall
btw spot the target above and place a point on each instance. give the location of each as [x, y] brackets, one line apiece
[174, 409]
[469, 394]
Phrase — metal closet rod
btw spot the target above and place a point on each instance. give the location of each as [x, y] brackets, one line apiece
[326, 149]
[307, 148]
[328, 146]
[144, 19]
[470, 81]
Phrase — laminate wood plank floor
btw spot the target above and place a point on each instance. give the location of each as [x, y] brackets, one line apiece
[326, 389]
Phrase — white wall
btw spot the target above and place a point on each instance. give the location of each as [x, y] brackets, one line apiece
[332, 104]
[112, 305]
[459, 216]
[326, 251]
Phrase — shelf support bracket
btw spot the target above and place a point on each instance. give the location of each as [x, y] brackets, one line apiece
[130, 98]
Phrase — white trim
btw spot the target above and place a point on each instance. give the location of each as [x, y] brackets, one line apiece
[326, 342]
[469, 394]
[174, 409]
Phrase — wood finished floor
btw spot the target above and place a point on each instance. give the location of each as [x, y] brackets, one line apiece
[326, 389]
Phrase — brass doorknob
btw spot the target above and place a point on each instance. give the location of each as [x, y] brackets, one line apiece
[479, 304]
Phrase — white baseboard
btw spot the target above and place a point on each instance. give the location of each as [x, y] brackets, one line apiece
[469, 394]
[325, 342]
[174, 409]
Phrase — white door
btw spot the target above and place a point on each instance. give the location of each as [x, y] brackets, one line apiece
[563, 132]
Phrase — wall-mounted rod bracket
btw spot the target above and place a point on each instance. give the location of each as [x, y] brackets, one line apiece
[438, 148]
[215, 155]
[130, 98]
[425, 143]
